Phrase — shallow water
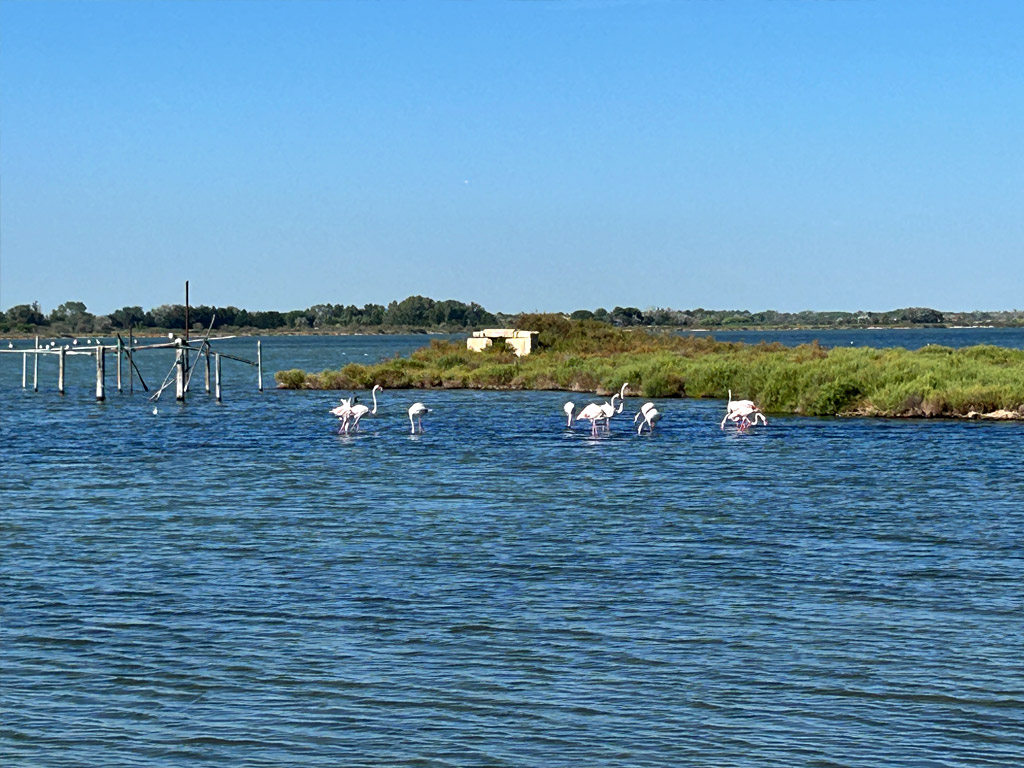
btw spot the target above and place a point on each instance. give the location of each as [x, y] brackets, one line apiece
[908, 338]
[236, 584]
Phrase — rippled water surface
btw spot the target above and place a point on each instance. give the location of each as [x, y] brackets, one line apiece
[236, 584]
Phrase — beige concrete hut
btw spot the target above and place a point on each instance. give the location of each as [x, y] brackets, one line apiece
[520, 341]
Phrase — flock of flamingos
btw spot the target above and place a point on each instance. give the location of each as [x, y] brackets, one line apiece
[743, 413]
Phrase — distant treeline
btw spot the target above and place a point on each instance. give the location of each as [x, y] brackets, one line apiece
[422, 313]
[415, 312]
[737, 319]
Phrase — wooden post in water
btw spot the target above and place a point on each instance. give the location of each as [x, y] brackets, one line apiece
[24, 370]
[60, 371]
[101, 365]
[207, 369]
[188, 360]
[120, 352]
[179, 376]
[131, 363]
[259, 362]
[35, 368]
[216, 372]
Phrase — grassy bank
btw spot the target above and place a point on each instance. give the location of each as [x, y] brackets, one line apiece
[594, 357]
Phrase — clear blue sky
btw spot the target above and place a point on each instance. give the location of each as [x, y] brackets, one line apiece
[530, 155]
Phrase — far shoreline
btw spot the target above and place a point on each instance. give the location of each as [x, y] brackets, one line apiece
[682, 330]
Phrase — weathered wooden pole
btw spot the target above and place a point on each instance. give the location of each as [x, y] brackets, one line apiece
[101, 371]
[188, 360]
[35, 368]
[259, 362]
[179, 375]
[216, 372]
[60, 371]
[120, 352]
[186, 312]
[207, 369]
[131, 363]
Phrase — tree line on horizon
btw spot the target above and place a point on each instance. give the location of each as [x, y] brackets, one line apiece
[426, 314]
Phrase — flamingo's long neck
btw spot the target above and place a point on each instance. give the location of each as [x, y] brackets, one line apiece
[374, 393]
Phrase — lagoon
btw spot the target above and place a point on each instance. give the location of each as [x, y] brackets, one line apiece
[236, 584]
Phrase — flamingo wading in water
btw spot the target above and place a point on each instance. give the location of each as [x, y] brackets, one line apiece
[358, 411]
[744, 412]
[600, 413]
[344, 413]
[650, 416]
[609, 407]
[416, 411]
[593, 413]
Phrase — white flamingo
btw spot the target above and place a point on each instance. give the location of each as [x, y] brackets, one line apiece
[650, 416]
[741, 411]
[747, 417]
[416, 411]
[568, 408]
[600, 413]
[609, 407]
[358, 411]
[608, 410]
[594, 413]
[344, 412]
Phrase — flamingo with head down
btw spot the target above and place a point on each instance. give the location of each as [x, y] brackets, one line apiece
[416, 412]
[649, 415]
[569, 408]
[743, 412]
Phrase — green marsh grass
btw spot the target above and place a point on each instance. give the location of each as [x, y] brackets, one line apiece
[584, 356]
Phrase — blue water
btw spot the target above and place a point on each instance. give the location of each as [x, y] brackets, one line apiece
[236, 585]
[908, 338]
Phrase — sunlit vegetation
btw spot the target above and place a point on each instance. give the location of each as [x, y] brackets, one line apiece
[423, 314]
[590, 356]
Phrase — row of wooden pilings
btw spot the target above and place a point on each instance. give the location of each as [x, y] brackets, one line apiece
[181, 365]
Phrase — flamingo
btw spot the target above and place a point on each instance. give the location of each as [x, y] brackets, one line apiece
[609, 407]
[592, 413]
[358, 411]
[568, 408]
[416, 411]
[344, 412]
[743, 417]
[741, 411]
[608, 410]
[650, 415]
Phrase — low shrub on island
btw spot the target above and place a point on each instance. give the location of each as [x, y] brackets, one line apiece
[589, 356]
